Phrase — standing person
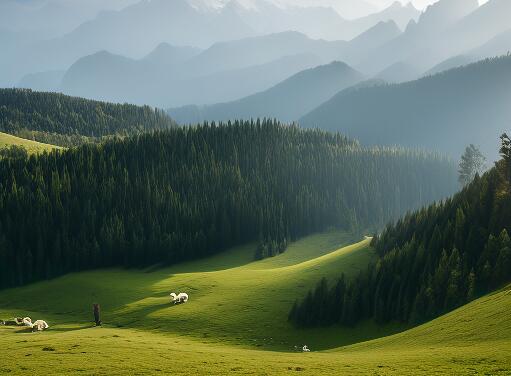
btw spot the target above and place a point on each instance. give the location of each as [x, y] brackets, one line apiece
[97, 314]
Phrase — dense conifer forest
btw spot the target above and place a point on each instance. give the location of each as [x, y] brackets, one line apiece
[63, 120]
[430, 262]
[166, 196]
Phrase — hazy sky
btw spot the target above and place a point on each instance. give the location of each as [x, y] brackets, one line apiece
[420, 4]
[355, 8]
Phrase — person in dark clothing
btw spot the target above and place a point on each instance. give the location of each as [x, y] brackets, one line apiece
[97, 314]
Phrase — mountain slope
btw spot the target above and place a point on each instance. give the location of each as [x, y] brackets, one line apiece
[497, 46]
[445, 112]
[286, 101]
[42, 81]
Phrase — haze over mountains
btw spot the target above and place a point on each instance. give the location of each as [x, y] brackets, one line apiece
[224, 72]
[118, 79]
[139, 28]
[222, 59]
[286, 101]
[444, 112]
[444, 30]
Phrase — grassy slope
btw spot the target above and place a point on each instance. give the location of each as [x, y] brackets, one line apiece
[237, 312]
[33, 147]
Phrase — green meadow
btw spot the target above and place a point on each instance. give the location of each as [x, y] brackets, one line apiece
[236, 322]
[33, 147]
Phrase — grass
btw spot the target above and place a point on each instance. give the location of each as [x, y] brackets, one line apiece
[235, 322]
[33, 147]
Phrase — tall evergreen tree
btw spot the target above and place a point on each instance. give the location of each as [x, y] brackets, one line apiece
[472, 164]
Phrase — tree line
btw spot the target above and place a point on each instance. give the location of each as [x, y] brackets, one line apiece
[429, 262]
[66, 121]
[184, 193]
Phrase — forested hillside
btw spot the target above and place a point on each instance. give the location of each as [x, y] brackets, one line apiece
[57, 118]
[188, 192]
[430, 262]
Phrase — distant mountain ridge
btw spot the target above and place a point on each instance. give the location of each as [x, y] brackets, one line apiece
[444, 112]
[139, 28]
[225, 72]
[286, 101]
[446, 29]
[214, 75]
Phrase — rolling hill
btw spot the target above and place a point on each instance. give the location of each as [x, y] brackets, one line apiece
[286, 101]
[244, 304]
[444, 112]
[32, 147]
[258, 181]
[56, 117]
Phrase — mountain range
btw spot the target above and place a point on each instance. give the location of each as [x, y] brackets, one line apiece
[225, 72]
[443, 112]
[119, 79]
[446, 29]
[139, 28]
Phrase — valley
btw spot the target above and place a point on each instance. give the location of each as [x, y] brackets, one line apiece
[255, 187]
[235, 322]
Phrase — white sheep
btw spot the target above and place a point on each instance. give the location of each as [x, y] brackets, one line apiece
[305, 348]
[39, 326]
[27, 321]
[182, 297]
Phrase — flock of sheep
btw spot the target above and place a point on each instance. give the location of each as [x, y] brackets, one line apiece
[37, 326]
[182, 297]
[40, 325]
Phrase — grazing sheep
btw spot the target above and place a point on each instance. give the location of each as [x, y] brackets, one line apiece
[39, 326]
[27, 321]
[182, 297]
[305, 348]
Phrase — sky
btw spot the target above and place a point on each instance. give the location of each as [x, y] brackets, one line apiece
[352, 8]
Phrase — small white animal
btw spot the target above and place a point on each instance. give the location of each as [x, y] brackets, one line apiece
[39, 326]
[305, 348]
[182, 297]
[27, 321]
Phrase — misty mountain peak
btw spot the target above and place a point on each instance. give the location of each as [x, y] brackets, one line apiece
[382, 31]
[445, 12]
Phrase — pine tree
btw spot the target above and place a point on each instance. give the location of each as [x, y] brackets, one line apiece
[472, 163]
